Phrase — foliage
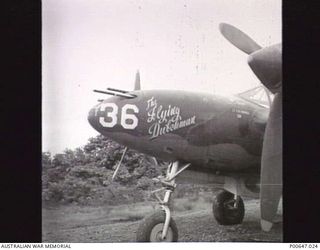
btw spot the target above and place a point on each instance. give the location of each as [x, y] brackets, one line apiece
[46, 159]
[84, 175]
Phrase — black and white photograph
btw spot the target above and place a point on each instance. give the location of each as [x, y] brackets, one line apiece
[162, 121]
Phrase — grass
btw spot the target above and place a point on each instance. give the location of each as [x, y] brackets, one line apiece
[72, 216]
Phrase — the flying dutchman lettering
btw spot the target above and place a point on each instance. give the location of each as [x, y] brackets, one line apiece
[165, 120]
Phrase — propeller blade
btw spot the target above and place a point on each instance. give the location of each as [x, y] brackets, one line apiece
[271, 165]
[266, 63]
[238, 38]
[119, 164]
[137, 82]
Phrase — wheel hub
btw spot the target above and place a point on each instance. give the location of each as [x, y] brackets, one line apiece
[156, 234]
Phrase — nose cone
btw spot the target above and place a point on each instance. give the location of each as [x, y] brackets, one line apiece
[114, 117]
[92, 116]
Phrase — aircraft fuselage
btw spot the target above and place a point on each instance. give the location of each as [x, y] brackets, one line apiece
[208, 131]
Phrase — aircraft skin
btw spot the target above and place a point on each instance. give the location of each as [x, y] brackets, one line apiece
[211, 132]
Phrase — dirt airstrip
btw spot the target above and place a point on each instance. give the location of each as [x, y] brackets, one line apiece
[119, 223]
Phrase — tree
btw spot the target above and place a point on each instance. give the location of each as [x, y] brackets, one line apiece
[46, 159]
[80, 157]
[87, 171]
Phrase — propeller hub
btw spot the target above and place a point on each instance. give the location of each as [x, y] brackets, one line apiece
[266, 63]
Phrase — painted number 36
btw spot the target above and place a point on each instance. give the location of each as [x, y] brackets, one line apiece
[127, 121]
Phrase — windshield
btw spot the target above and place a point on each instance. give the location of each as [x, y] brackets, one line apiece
[258, 95]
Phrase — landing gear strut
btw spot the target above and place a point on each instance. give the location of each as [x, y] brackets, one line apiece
[228, 209]
[160, 227]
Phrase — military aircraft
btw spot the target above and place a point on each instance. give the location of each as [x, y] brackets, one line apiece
[237, 141]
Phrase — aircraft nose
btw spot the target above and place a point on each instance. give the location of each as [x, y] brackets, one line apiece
[92, 118]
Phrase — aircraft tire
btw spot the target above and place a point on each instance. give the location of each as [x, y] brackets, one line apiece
[150, 229]
[223, 209]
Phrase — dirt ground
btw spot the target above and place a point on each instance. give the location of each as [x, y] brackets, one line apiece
[194, 220]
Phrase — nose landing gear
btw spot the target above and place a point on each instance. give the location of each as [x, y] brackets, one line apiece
[160, 227]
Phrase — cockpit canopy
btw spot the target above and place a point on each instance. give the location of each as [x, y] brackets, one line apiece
[258, 95]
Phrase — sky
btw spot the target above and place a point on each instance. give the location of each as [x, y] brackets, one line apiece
[95, 44]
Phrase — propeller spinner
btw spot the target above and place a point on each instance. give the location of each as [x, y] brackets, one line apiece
[266, 63]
